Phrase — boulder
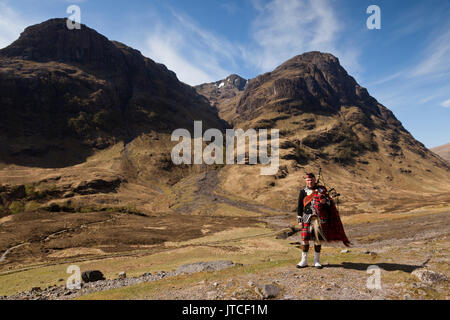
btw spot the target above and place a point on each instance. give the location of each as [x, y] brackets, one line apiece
[429, 277]
[92, 276]
[270, 291]
[204, 266]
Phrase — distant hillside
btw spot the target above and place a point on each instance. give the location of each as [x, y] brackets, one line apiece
[443, 151]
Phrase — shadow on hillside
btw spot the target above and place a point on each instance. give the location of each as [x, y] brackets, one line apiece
[385, 266]
[47, 156]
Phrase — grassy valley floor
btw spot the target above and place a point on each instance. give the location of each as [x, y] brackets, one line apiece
[397, 243]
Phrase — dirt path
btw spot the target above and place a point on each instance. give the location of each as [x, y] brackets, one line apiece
[208, 191]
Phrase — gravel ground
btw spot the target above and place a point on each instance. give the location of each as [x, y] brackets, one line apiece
[63, 293]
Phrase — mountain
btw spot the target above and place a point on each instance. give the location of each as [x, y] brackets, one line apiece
[443, 151]
[224, 94]
[63, 90]
[326, 119]
[86, 125]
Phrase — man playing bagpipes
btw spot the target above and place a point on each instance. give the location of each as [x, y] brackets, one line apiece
[319, 219]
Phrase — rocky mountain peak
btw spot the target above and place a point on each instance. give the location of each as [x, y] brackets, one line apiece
[235, 81]
[312, 57]
[53, 41]
[312, 80]
[232, 82]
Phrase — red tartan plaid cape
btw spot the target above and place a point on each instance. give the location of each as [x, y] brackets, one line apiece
[335, 229]
[332, 227]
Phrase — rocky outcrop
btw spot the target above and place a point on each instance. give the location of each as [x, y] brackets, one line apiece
[41, 193]
[98, 185]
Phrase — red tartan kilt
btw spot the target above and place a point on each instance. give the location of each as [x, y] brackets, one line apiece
[306, 235]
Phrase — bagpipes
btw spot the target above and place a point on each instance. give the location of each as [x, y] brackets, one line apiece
[331, 225]
[331, 193]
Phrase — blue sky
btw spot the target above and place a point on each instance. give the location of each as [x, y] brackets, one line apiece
[405, 65]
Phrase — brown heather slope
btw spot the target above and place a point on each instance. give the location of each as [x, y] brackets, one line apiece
[443, 151]
[327, 120]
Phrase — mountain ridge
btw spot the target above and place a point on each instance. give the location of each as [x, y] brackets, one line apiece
[93, 90]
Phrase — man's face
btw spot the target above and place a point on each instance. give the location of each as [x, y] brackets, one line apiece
[310, 182]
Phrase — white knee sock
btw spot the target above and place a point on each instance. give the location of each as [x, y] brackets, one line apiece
[316, 259]
[304, 261]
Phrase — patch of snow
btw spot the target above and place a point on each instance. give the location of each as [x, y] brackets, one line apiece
[221, 85]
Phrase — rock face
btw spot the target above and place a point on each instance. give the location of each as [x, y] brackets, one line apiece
[312, 81]
[59, 85]
[224, 94]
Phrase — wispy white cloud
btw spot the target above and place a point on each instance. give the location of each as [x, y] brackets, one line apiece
[446, 103]
[413, 20]
[164, 46]
[436, 58]
[11, 25]
[285, 28]
[387, 78]
[425, 80]
[194, 53]
[281, 30]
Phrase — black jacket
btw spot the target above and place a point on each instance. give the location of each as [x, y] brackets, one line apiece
[301, 196]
